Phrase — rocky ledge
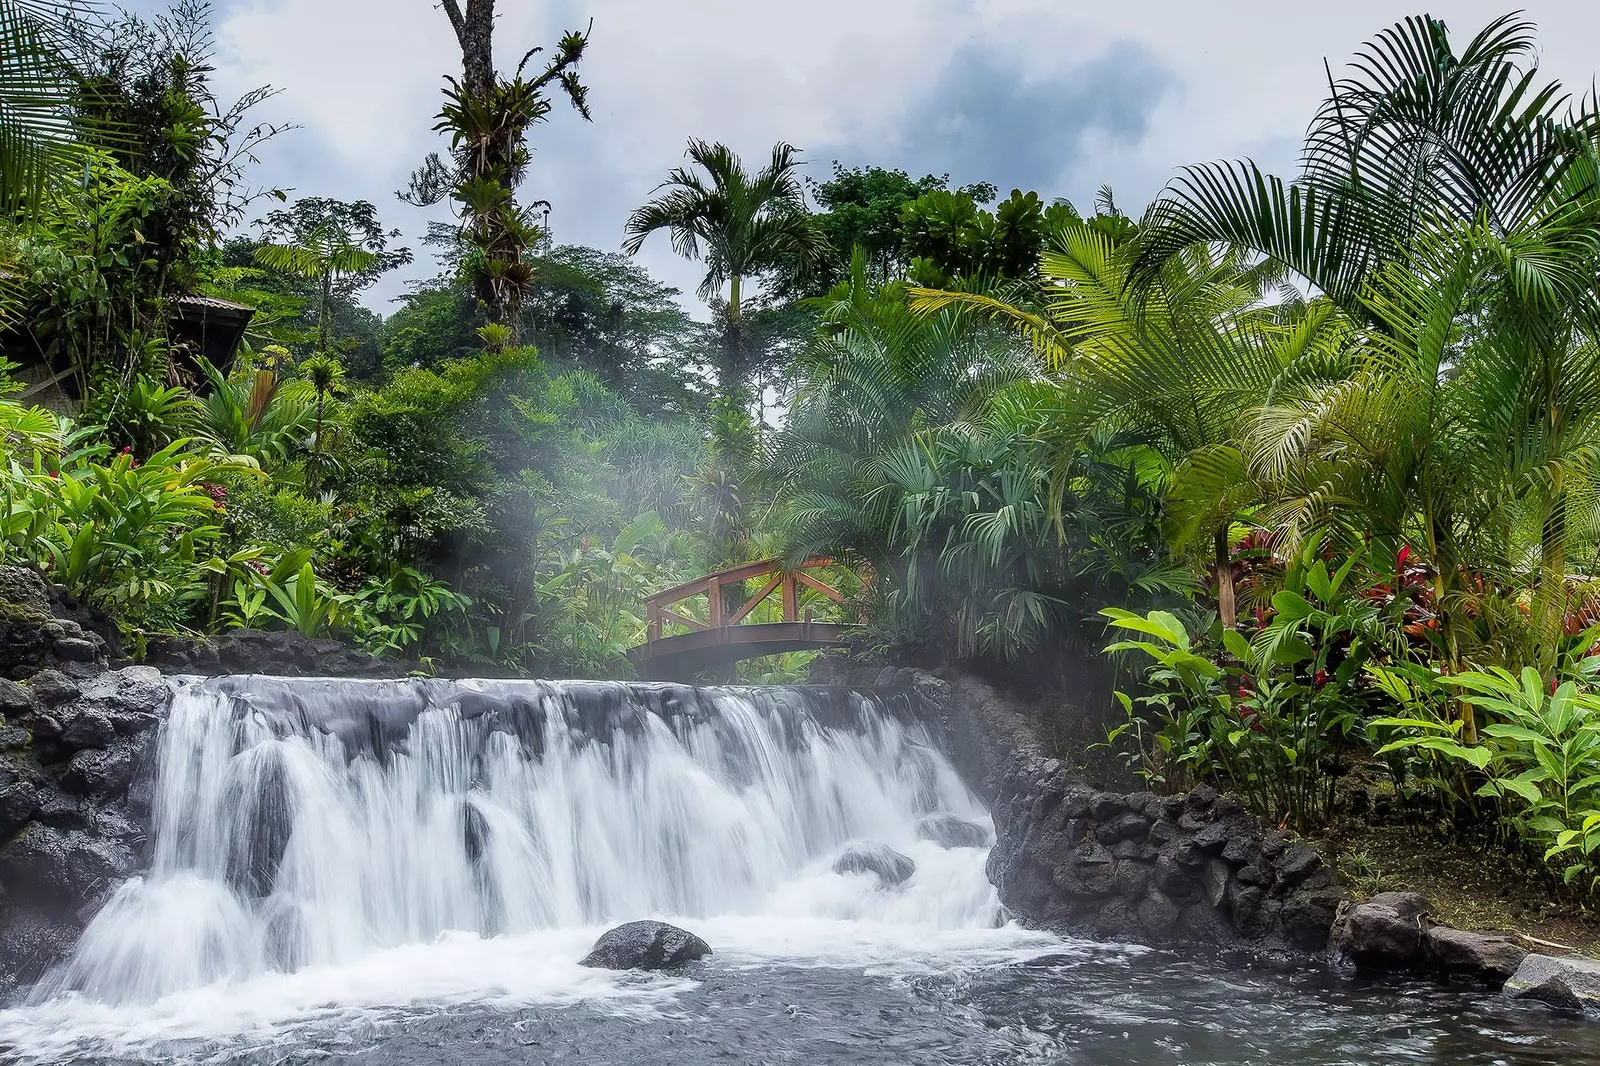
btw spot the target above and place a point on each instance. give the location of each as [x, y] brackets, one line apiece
[1197, 868]
[249, 651]
[75, 755]
[1194, 868]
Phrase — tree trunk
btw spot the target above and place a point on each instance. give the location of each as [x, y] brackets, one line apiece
[1227, 606]
[325, 313]
[733, 343]
[475, 33]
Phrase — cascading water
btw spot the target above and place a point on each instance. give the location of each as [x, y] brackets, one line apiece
[407, 873]
[310, 824]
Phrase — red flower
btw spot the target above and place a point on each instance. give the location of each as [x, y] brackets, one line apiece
[1405, 553]
[1320, 679]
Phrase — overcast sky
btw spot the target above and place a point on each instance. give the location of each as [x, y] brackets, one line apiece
[1051, 95]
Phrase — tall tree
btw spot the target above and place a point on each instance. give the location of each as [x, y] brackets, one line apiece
[337, 246]
[745, 227]
[488, 118]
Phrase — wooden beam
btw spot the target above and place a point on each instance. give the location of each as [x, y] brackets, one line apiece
[811, 582]
[673, 616]
[750, 605]
[791, 596]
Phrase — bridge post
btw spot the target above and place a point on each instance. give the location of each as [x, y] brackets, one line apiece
[790, 598]
[716, 602]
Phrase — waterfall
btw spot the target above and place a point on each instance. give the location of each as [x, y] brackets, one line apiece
[313, 823]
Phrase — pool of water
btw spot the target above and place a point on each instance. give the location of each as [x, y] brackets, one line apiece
[816, 991]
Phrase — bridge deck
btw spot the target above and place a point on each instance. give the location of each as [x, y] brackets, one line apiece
[721, 634]
[680, 657]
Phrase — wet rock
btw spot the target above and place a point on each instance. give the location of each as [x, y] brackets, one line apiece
[76, 649]
[645, 946]
[1212, 838]
[1158, 914]
[1384, 933]
[1132, 879]
[948, 831]
[475, 831]
[82, 729]
[1571, 983]
[104, 773]
[1128, 826]
[1118, 920]
[14, 699]
[1307, 917]
[1485, 956]
[31, 942]
[891, 867]
[1104, 806]
[1241, 851]
[1296, 864]
[68, 869]
[1200, 798]
[246, 651]
[1173, 878]
[52, 687]
[19, 799]
[1204, 924]
[1214, 880]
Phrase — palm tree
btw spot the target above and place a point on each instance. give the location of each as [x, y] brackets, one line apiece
[1417, 138]
[744, 226]
[1174, 366]
[323, 255]
[38, 91]
[1451, 204]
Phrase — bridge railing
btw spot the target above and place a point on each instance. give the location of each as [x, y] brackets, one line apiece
[787, 583]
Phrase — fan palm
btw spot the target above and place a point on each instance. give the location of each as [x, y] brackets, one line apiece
[743, 225]
[1450, 203]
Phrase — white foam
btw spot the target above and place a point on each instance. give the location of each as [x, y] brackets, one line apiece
[727, 826]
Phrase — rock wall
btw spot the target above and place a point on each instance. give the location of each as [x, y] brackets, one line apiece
[1137, 867]
[41, 626]
[75, 772]
[281, 654]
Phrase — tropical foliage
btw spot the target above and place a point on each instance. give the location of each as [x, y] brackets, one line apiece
[1319, 454]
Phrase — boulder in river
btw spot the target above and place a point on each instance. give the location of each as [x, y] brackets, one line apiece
[1486, 956]
[948, 831]
[1572, 983]
[891, 867]
[1384, 933]
[645, 946]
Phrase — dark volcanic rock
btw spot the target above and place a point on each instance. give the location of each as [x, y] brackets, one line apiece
[247, 651]
[1307, 917]
[1570, 983]
[891, 867]
[645, 946]
[52, 687]
[1488, 957]
[948, 831]
[1384, 933]
[104, 773]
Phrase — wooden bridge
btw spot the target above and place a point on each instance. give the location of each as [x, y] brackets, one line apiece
[727, 635]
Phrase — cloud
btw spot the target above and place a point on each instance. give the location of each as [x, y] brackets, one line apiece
[986, 118]
[1030, 93]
